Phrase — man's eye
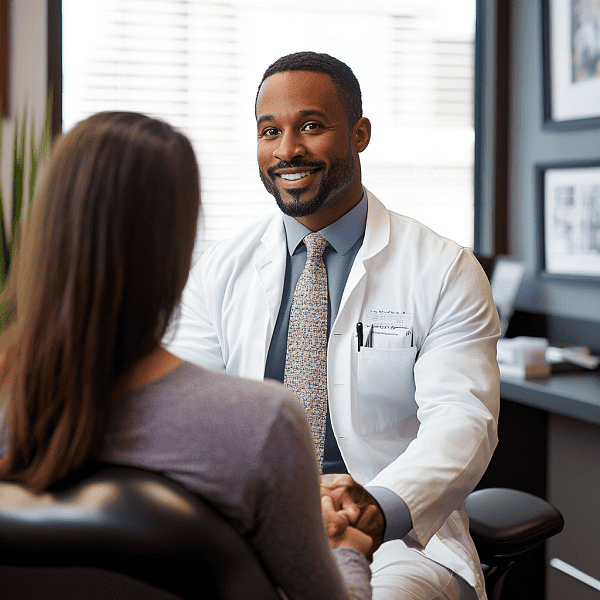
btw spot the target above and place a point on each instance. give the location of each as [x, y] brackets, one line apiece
[269, 132]
[310, 126]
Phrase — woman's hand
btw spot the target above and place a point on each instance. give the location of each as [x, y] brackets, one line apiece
[341, 533]
[345, 502]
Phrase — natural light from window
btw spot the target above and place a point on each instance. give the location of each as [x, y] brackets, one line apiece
[198, 63]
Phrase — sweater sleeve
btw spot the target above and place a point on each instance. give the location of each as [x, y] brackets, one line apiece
[289, 534]
[355, 571]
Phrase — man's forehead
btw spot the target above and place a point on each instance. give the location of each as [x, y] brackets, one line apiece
[307, 91]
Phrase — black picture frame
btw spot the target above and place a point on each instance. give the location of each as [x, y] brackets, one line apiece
[561, 96]
[569, 246]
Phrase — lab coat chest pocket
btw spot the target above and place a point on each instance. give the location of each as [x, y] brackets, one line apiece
[386, 388]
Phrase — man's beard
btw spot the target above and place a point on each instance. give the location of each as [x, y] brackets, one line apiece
[339, 176]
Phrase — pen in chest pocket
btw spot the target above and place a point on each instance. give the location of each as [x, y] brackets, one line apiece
[359, 334]
[386, 331]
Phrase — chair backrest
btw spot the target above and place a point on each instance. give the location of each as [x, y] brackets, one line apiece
[132, 522]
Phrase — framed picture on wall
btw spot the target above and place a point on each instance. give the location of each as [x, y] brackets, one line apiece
[571, 64]
[569, 219]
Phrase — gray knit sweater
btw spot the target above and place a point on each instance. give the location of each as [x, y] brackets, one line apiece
[246, 447]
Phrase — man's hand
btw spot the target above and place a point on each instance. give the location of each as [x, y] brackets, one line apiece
[345, 502]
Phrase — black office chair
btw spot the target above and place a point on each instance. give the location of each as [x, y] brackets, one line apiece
[121, 532]
[103, 534]
[505, 525]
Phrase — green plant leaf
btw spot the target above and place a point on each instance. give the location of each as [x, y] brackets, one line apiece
[18, 176]
[46, 137]
[34, 158]
[40, 151]
[4, 248]
[37, 153]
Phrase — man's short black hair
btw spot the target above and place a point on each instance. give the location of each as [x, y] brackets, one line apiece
[341, 75]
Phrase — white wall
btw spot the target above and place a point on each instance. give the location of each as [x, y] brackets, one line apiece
[27, 74]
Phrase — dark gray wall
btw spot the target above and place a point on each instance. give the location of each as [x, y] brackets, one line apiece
[574, 488]
[530, 144]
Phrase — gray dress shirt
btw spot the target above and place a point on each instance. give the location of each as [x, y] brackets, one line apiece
[344, 239]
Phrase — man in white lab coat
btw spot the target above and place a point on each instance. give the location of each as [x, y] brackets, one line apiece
[412, 378]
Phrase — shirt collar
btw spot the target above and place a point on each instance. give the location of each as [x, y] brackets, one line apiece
[342, 234]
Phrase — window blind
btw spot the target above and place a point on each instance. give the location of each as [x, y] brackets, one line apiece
[197, 64]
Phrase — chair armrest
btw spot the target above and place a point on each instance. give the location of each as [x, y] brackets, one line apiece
[506, 523]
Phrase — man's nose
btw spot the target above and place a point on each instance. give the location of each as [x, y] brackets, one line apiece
[290, 147]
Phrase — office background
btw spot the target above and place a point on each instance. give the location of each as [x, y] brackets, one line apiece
[563, 451]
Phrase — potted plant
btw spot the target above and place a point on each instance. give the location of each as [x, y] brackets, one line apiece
[37, 150]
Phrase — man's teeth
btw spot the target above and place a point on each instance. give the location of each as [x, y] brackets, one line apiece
[294, 176]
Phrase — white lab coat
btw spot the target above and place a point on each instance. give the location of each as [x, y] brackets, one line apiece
[420, 421]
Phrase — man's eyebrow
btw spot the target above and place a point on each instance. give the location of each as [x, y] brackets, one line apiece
[264, 118]
[314, 111]
[300, 113]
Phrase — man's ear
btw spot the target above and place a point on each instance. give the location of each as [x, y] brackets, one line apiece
[361, 133]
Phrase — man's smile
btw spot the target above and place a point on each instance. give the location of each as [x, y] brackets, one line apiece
[294, 176]
[294, 173]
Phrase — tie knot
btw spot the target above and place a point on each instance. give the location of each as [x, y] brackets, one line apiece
[315, 245]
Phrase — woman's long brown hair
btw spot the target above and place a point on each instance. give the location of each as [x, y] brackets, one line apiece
[99, 272]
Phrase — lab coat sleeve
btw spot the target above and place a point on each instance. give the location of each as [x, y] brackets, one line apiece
[457, 385]
[193, 335]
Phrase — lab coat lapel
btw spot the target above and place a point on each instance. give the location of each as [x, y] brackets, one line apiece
[270, 269]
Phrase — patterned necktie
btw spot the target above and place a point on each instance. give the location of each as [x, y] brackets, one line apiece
[306, 358]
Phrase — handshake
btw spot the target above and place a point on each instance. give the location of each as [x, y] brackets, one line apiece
[351, 514]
